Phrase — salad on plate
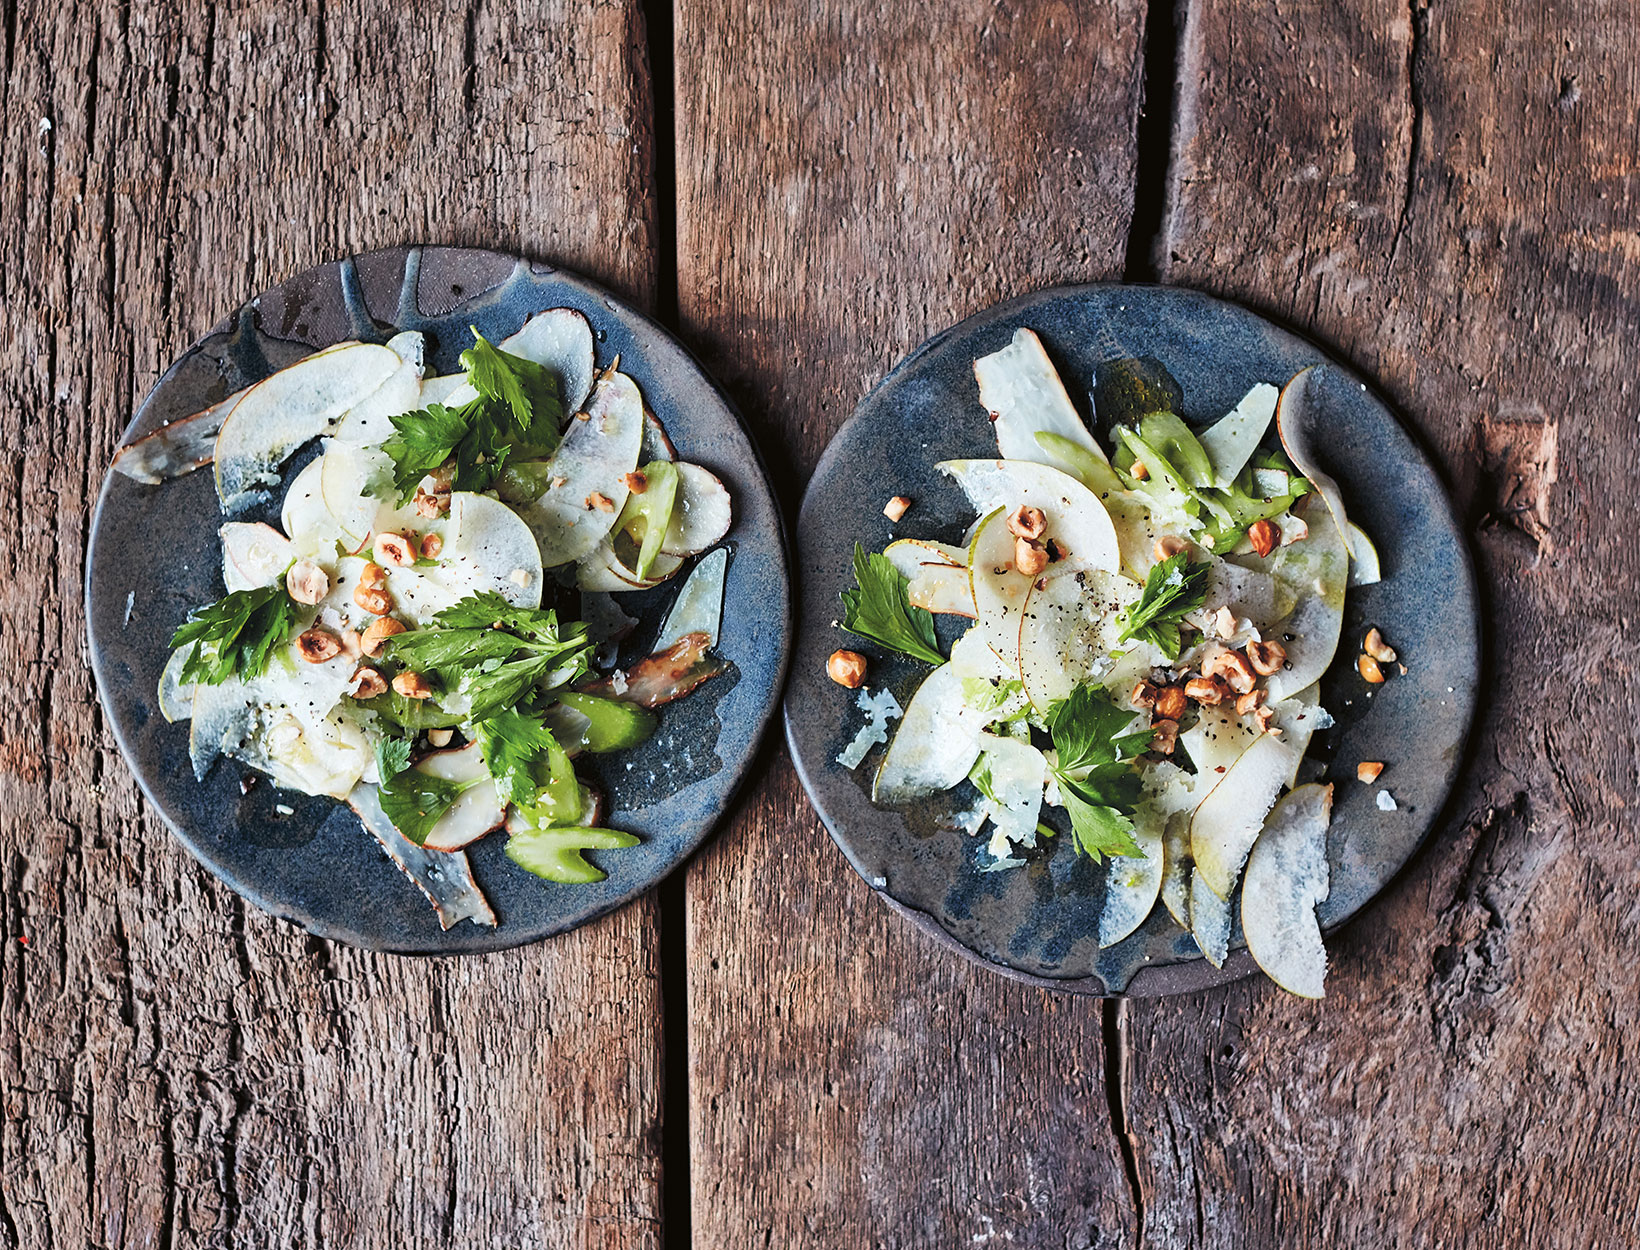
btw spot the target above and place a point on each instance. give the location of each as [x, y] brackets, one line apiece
[1152, 608]
[428, 632]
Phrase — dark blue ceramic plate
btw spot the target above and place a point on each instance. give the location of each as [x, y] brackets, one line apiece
[1039, 922]
[154, 555]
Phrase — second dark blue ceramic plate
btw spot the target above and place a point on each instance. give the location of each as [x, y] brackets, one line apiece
[154, 555]
[1040, 922]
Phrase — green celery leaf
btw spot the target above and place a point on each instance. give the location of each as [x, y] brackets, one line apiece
[881, 610]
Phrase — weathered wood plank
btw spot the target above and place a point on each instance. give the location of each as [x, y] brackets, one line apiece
[176, 1070]
[1447, 196]
[851, 180]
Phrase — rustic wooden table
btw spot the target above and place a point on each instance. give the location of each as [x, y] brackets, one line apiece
[762, 1055]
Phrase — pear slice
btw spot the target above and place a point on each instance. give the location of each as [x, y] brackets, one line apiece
[698, 609]
[939, 737]
[1131, 885]
[176, 701]
[446, 878]
[1209, 920]
[354, 482]
[478, 810]
[999, 590]
[595, 458]
[1287, 877]
[1365, 569]
[1177, 868]
[561, 340]
[1227, 822]
[1216, 741]
[1231, 440]
[289, 408]
[943, 589]
[1068, 628]
[304, 516]
[488, 547]
[701, 513]
[186, 444]
[605, 571]
[369, 422]
[907, 555]
[1022, 393]
[253, 555]
[1077, 523]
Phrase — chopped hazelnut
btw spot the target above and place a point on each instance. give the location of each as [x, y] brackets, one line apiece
[1266, 657]
[1209, 691]
[557, 482]
[440, 480]
[1029, 558]
[896, 507]
[370, 642]
[1368, 771]
[847, 668]
[1233, 667]
[431, 545]
[398, 550]
[1027, 522]
[318, 645]
[350, 642]
[636, 481]
[1369, 669]
[1171, 702]
[412, 686]
[1143, 695]
[368, 682]
[1168, 547]
[372, 576]
[600, 501]
[1377, 648]
[1264, 716]
[1139, 471]
[431, 504]
[1224, 623]
[374, 600]
[439, 738]
[306, 582]
[1164, 736]
[1247, 704]
[1264, 535]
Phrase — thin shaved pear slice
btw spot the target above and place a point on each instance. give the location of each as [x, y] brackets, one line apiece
[445, 877]
[478, 810]
[1287, 878]
[304, 516]
[907, 555]
[186, 444]
[444, 390]
[939, 737]
[1177, 868]
[1316, 570]
[561, 340]
[942, 589]
[176, 701]
[604, 571]
[701, 513]
[369, 422]
[1068, 628]
[698, 609]
[488, 547]
[1231, 440]
[1299, 717]
[657, 443]
[999, 589]
[1209, 920]
[1077, 522]
[1132, 885]
[1365, 569]
[1217, 740]
[1227, 822]
[289, 408]
[1250, 594]
[1297, 422]
[355, 485]
[1021, 391]
[253, 555]
[594, 459]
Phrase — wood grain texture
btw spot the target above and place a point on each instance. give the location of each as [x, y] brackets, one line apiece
[851, 180]
[176, 1070]
[1446, 195]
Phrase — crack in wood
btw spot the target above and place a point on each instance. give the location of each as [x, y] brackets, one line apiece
[1115, 1028]
[1418, 14]
[1153, 139]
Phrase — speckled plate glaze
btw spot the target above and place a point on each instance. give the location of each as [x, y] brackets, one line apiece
[154, 555]
[1039, 923]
